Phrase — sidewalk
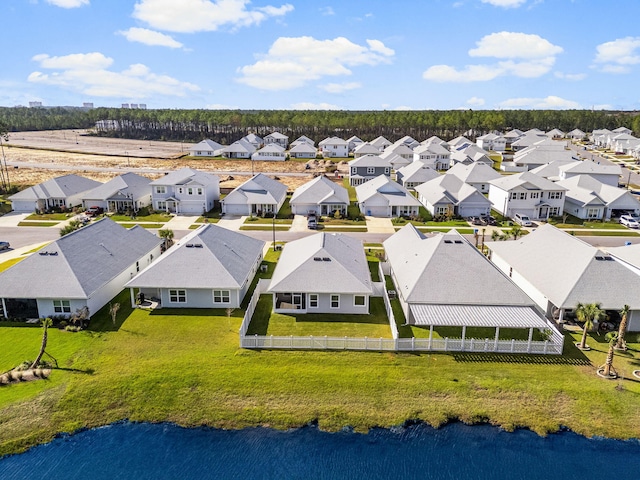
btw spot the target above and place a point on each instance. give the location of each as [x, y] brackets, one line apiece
[20, 252]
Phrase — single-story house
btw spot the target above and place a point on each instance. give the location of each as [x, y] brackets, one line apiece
[363, 149]
[206, 148]
[320, 195]
[322, 273]
[254, 140]
[478, 175]
[85, 268]
[211, 267]
[448, 195]
[260, 195]
[240, 149]
[128, 191]
[382, 197]
[60, 192]
[415, 174]
[302, 150]
[271, 152]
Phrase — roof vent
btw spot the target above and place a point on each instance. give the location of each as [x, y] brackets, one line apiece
[43, 253]
[53, 254]
[609, 259]
[458, 241]
[317, 259]
[189, 245]
[197, 245]
[326, 259]
[598, 257]
[448, 241]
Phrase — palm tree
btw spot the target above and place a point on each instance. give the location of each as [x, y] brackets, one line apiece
[167, 235]
[46, 323]
[607, 369]
[588, 313]
[621, 344]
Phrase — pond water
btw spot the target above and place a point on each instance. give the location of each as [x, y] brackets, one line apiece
[152, 451]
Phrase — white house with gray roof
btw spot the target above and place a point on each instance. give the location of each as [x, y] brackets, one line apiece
[443, 280]
[260, 195]
[60, 192]
[558, 271]
[271, 152]
[85, 268]
[434, 155]
[185, 191]
[278, 138]
[206, 148]
[211, 267]
[364, 149]
[363, 169]
[322, 273]
[382, 197]
[334, 147]
[478, 175]
[447, 195]
[240, 149]
[320, 195]
[302, 150]
[380, 143]
[254, 140]
[128, 191]
[414, 174]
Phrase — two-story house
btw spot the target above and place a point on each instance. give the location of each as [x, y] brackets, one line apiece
[277, 138]
[527, 194]
[434, 155]
[367, 168]
[334, 147]
[185, 191]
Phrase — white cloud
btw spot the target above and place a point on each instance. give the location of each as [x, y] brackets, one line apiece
[574, 77]
[523, 55]
[549, 103]
[89, 74]
[617, 56]
[220, 106]
[340, 87]
[203, 15]
[475, 102]
[149, 37]
[314, 106]
[68, 3]
[294, 62]
[327, 11]
[505, 3]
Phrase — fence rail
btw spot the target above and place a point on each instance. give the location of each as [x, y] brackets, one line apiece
[251, 308]
[387, 304]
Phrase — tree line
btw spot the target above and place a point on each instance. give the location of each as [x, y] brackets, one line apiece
[227, 126]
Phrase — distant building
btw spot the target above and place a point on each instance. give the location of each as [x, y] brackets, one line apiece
[125, 105]
[87, 105]
[35, 104]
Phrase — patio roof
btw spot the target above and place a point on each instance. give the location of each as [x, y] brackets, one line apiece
[477, 316]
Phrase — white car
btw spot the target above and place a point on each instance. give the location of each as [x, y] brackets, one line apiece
[629, 221]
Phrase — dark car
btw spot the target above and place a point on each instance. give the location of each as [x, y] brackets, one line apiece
[4, 245]
[94, 211]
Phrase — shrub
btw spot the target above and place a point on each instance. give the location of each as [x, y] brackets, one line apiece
[72, 328]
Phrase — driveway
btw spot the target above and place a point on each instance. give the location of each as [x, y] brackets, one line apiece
[379, 225]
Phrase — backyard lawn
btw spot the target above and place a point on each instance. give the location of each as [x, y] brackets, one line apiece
[184, 366]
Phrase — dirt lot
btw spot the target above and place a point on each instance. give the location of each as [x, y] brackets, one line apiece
[36, 163]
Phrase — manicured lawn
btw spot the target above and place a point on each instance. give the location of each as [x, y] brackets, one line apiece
[279, 228]
[461, 231]
[267, 220]
[184, 366]
[612, 233]
[154, 217]
[49, 216]
[143, 225]
[374, 325]
[37, 224]
[344, 228]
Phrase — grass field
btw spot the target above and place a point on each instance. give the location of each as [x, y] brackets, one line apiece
[37, 224]
[143, 225]
[154, 217]
[49, 216]
[184, 366]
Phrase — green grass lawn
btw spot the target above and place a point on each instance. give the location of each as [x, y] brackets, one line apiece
[343, 228]
[37, 224]
[267, 220]
[49, 216]
[184, 366]
[253, 226]
[612, 233]
[143, 225]
[473, 332]
[154, 217]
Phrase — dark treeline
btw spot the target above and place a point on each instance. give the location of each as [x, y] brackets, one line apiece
[226, 126]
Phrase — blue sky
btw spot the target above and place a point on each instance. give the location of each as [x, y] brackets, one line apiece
[352, 55]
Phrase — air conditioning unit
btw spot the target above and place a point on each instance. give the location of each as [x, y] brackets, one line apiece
[263, 268]
[392, 294]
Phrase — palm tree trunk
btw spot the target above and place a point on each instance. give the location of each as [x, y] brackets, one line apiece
[620, 343]
[43, 346]
[609, 362]
[583, 342]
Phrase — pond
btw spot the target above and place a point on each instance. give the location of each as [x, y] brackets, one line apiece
[456, 451]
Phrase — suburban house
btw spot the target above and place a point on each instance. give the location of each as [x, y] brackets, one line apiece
[271, 152]
[527, 139]
[260, 195]
[364, 149]
[302, 150]
[415, 174]
[128, 191]
[240, 149]
[587, 198]
[211, 267]
[366, 168]
[322, 273]
[206, 148]
[555, 134]
[527, 194]
[469, 154]
[434, 155]
[478, 175]
[558, 271]
[448, 195]
[320, 195]
[60, 192]
[278, 138]
[380, 143]
[629, 255]
[576, 134]
[458, 142]
[303, 139]
[401, 150]
[540, 153]
[382, 197]
[185, 191]
[607, 174]
[408, 141]
[85, 268]
[444, 281]
[511, 136]
[353, 142]
[334, 147]
[491, 141]
[395, 160]
[256, 141]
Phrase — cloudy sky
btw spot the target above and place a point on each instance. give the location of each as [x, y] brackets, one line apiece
[303, 54]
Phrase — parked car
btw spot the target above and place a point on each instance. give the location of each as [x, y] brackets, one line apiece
[4, 245]
[312, 221]
[94, 211]
[523, 220]
[629, 221]
[477, 221]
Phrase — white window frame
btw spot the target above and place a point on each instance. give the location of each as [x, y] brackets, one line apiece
[555, 195]
[371, 170]
[364, 301]
[334, 297]
[62, 306]
[219, 296]
[179, 294]
[314, 298]
[535, 195]
[162, 205]
[161, 189]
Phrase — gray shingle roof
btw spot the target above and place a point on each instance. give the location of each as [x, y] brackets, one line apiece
[383, 186]
[86, 260]
[320, 190]
[128, 183]
[417, 172]
[258, 189]
[224, 260]
[59, 187]
[369, 161]
[185, 176]
[346, 271]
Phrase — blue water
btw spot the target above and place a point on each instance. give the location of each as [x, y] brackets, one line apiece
[153, 451]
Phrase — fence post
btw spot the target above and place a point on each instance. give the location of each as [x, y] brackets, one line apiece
[446, 341]
[366, 343]
[546, 344]
[513, 345]
[326, 343]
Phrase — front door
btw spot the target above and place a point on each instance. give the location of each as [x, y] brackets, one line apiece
[297, 301]
[544, 212]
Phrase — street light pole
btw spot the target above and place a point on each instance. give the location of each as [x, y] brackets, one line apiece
[274, 231]
[629, 180]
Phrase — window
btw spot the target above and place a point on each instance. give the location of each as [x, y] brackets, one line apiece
[593, 213]
[180, 190]
[354, 170]
[371, 170]
[162, 205]
[442, 210]
[554, 211]
[189, 191]
[61, 306]
[137, 266]
[178, 296]
[199, 191]
[522, 196]
[510, 271]
[555, 194]
[161, 189]
[313, 300]
[221, 296]
[359, 300]
[335, 300]
[535, 195]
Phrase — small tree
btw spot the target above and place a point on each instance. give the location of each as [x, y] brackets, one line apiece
[72, 226]
[46, 323]
[113, 311]
[516, 231]
[495, 235]
[167, 235]
[78, 317]
[588, 313]
[607, 369]
[621, 343]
